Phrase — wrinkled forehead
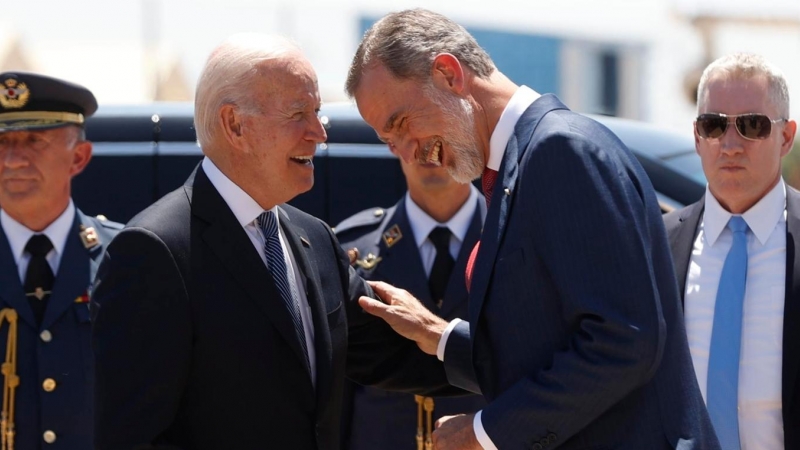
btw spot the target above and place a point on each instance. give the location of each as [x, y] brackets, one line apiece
[381, 96]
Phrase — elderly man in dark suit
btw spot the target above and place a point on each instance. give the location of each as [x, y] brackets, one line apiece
[736, 257]
[421, 244]
[575, 333]
[224, 317]
[49, 252]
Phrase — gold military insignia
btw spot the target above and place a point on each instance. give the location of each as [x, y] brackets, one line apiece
[89, 236]
[39, 293]
[14, 94]
[392, 235]
[369, 262]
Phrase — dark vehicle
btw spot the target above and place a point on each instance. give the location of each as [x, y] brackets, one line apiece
[142, 152]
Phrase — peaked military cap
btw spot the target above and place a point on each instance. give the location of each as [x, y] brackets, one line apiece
[30, 101]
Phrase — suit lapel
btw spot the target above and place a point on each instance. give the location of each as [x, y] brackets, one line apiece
[230, 243]
[11, 291]
[401, 264]
[791, 310]
[74, 271]
[681, 241]
[304, 258]
[502, 200]
[456, 288]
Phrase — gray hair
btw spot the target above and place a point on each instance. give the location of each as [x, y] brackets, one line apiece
[741, 66]
[228, 75]
[406, 43]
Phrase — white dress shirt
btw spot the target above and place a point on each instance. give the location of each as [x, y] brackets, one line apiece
[18, 236]
[519, 102]
[422, 224]
[760, 363]
[247, 211]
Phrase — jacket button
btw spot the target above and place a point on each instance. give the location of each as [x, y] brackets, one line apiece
[537, 446]
[46, 336]
[49, 436]
[552, 437]
[49, 385]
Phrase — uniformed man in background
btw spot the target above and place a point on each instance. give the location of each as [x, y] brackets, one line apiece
[49, 252]
[421, 244]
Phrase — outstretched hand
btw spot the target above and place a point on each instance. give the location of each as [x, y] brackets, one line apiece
[406, 315]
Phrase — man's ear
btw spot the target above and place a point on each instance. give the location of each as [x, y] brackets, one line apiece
[447, 73]
[789, 130]
[230, 120]
[81, 155]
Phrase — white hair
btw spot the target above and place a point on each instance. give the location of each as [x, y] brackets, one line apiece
[742, 66]
[228, 75]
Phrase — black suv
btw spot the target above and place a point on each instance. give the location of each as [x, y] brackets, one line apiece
[142, 152]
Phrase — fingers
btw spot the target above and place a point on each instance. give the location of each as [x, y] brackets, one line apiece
[374, 307]
[352, 254]
[384, 290]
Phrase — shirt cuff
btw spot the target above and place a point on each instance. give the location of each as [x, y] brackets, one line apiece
[443, 340]
[480, 433]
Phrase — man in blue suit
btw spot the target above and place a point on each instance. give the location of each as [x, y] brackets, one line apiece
[49, 252]
[421, 244]
[575, 334]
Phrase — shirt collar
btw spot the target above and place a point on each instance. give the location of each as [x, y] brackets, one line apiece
[422, 224]
[58, 231]
[244, 208]
[761, 218]
[519, 102]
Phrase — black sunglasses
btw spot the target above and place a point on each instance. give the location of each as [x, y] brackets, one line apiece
[750, 126]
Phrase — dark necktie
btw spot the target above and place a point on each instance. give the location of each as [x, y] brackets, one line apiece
[442, 264]
[726, 339]
[39, 277]
[277, 268]
[487, 182]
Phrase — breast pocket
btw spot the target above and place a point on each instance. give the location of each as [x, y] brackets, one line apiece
[335, 316]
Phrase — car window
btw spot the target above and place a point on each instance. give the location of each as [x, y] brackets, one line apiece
[689, 164]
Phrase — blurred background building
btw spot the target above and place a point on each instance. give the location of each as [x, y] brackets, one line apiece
[638, 59]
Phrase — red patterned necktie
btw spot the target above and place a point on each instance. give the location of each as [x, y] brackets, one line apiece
[487, 182]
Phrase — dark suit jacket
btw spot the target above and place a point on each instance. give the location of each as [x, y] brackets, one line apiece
[67, 356]
[576, 334]
[195, 349]
[682, 229]
[379, 419]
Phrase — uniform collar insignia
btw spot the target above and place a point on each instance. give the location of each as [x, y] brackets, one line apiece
[89, 237]
[392, 235]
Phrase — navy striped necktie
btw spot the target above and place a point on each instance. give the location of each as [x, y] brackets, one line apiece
[276, 265]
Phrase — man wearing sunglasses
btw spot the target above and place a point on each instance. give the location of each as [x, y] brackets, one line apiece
[735, 257]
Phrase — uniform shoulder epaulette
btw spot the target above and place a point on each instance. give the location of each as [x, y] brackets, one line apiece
[368, 217]
[109, 224]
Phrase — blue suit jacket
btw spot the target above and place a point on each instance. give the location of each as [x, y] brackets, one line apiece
[576, 334]
[681, 228]
[379, 419]
[67, 357]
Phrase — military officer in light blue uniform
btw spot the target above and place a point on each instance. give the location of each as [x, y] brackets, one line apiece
[421, 244]
[49, 252]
